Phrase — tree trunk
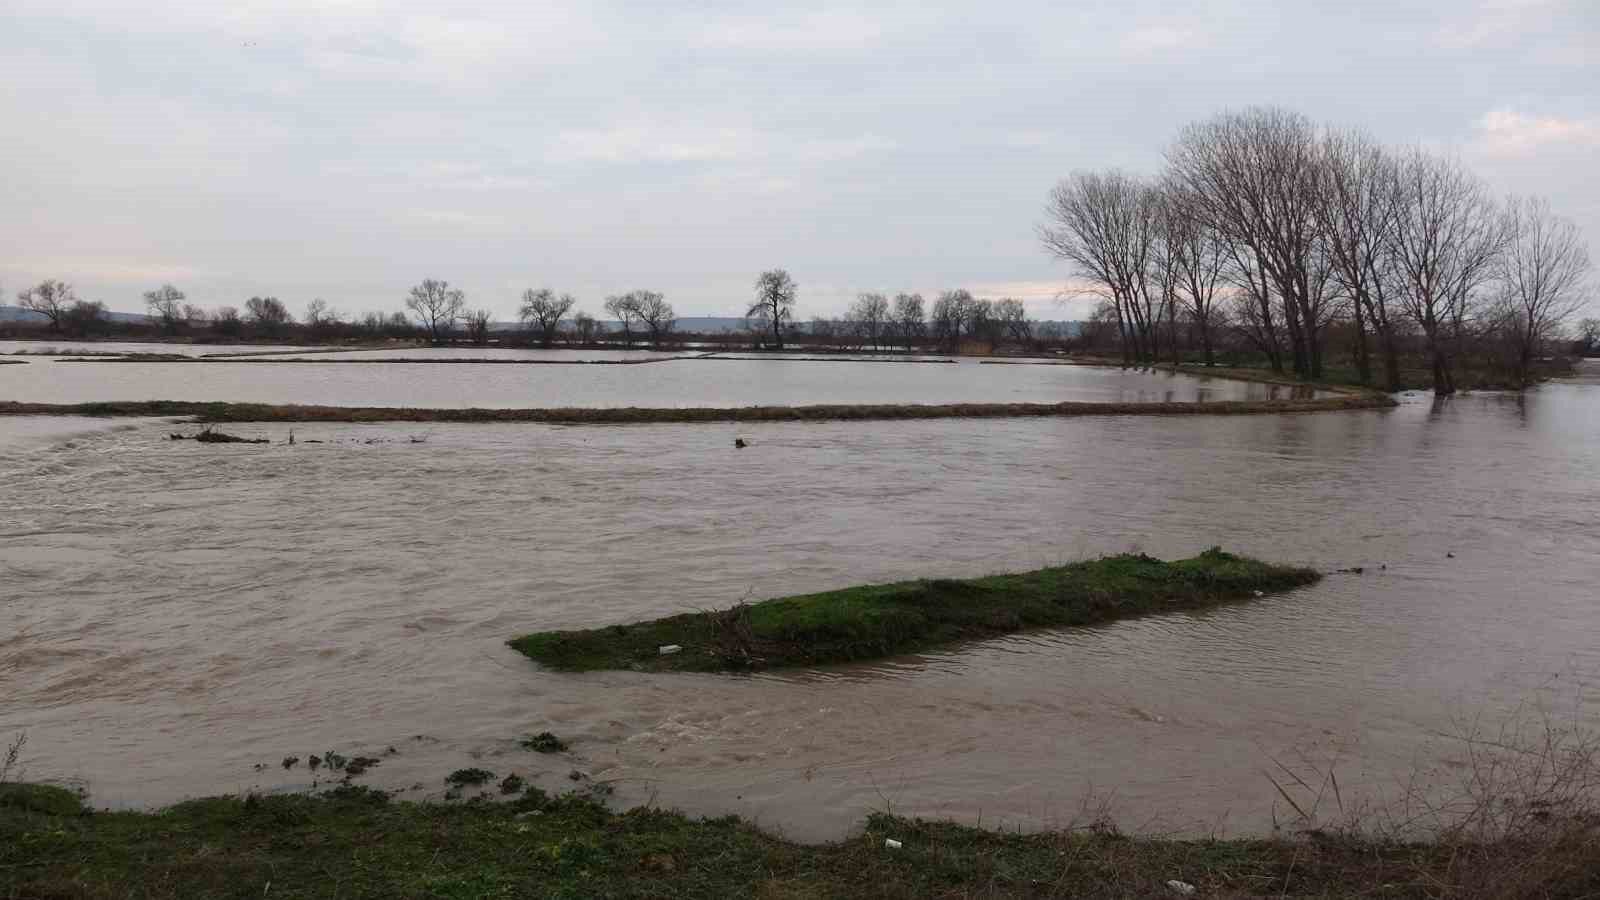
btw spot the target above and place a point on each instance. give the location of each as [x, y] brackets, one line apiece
[1363, 363]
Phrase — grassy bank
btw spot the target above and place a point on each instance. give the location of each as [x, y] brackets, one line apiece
[884, 619]
[262, 412]
[358, 844]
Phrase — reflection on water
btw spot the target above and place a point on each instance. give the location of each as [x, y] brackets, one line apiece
[173, 613]
[678, 382]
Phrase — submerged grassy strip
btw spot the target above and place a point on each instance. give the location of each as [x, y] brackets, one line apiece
[266, 359]
[884, 619]
[356, 844]
[263, 412]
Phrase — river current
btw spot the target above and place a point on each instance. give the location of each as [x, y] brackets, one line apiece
[173, 615]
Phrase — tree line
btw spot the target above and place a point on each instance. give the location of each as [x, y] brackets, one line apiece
[439, 313]
[1270, 228]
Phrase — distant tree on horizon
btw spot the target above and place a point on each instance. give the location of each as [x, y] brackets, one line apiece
[437, 306]
[543, 310]
[268, 314]
[774, 304]
[166, 306]
[49, 298]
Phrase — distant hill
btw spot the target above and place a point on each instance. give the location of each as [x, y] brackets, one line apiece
[18, 314]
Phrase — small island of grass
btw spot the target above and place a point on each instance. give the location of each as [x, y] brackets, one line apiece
[874, 621]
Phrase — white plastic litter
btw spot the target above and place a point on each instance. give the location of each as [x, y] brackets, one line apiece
[1261, 593]
[1183, 888]
[669, 649]
[891, 844]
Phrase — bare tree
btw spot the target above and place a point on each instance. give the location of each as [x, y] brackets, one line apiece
[1543, 278]
[478, 326]
[626, 308]
[656, 314]
[1103, 224]
[166, 306]
[437, 307]
[1196, 258]
[268, 314]
[543, 311]
[909, 319]
[1011, 315]
[1447, 238]
[1357, 208]
[226, 321]
[952, 318]
[586, 326]
[318, 315]
[195, 315]
[869, 317]
[49, 298]
[1251, 177]
[1588, 341]
[774, 305]
[84, 317]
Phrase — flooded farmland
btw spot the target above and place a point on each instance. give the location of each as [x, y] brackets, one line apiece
[174, 614]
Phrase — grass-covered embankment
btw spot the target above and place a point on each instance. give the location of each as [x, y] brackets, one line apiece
[357, 844]
[885, 619]
[264, 412]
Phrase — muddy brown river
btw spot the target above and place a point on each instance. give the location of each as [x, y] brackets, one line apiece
[174, 614]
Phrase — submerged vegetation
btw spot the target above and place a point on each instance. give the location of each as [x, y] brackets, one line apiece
[884, 619]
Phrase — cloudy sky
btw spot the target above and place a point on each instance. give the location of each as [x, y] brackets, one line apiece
[346, 149]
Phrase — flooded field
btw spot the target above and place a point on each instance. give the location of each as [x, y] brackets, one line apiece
[173, 614]
[680, 382]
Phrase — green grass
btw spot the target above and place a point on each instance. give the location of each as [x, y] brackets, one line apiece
[356, 843]
[884, 619]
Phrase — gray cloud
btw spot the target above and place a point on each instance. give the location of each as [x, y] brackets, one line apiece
[348, 149]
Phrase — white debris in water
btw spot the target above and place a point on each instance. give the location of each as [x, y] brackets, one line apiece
[1182, 888]
[669, 649]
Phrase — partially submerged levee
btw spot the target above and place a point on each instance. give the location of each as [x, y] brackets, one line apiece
[264, 412]
[874, 621]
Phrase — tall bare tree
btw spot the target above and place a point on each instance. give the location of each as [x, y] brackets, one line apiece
[1251, 176]
[869, 318]
[478, 326]
[656, 313]
[1196, 258]
[268, 314]
[774, 304]
[1103, 224]
[1011, 319]
[543, 311]
[1542, 278]
[166, 307]
[951, 318]
[1358, 207]
[49, 298]
[586, 326]
[437, 306]
[1446, 241]
[626, 308]
[909, 318]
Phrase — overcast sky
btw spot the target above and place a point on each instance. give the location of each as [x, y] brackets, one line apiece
[349, 149]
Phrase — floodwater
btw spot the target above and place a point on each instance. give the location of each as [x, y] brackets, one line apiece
[174, 614]
[673, 382]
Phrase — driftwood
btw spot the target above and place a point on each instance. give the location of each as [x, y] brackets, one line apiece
[207, 436]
